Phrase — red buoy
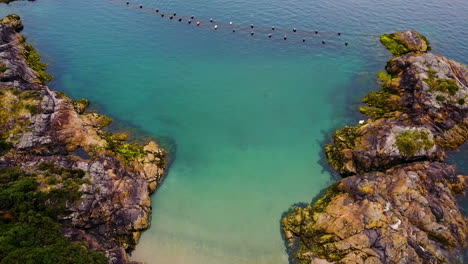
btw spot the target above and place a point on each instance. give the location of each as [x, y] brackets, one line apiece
[198, 23]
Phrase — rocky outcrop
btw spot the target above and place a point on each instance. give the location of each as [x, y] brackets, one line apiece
[40, 126]
[405, 42]
[397, 203]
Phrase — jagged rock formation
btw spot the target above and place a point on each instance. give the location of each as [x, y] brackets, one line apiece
[39, 126]
[397, 204]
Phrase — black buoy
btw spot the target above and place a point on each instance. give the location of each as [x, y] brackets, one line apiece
[233, 30]
[192, 17]
[269, 35]
[190, 21]
[141, 6]
[294, 29]
[272, 28]
[175, 14]
[339, 34]
[170, 17]
[211, 20]
[251, 25]
[303, 40]
[162, 15]
[285, 37]
[346, 43]
[157, 10]
[251, 33]
[323, 42]
[316, 32]
[128, 3]
[180, 19]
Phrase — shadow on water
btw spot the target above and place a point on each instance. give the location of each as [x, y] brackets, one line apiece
[351, 97]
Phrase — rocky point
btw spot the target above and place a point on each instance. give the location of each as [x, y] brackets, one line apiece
[397, 203]
[42, 130]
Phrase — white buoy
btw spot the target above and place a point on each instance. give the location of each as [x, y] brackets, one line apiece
[230, 22]
[216, 27]
[361, 122]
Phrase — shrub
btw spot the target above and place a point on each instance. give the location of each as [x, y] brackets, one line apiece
[410, 141]
[33, 109]
[384, 77]
[30, 232]
[129, 151]
[4, 146]
[3, 68]
[440, 98]
[33, 58]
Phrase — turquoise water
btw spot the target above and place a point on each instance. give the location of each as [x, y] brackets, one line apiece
[246, 117]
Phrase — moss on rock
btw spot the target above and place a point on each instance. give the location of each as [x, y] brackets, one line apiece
[33, 58]
[80, 105]
[15, 112]
[394, 44]
[411, 141]
[402, 43]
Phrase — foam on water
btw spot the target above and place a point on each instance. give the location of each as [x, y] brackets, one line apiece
[249, 116]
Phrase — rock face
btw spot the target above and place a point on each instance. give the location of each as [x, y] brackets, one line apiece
[397, 204]
[41, 126]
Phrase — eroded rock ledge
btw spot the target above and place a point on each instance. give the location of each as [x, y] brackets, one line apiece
[397, 204]
[43, 131]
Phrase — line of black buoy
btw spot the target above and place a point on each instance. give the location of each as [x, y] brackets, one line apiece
[252, 33]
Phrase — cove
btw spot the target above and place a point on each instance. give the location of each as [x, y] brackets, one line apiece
[248, 117]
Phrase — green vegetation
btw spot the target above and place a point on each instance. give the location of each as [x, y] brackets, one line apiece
[461, 101]
[441, 98]
[29, 227]
[3, 68]
[71, 179]
[343, 139]
[33, 58]
[394, 44]
[4, 146]
[300, 221]
[118, 145]
[80, 105]
[347, 135]
[447, 86]
[15, 106]
[426, 40]
[380, 105]
[384, 77]
[410, 141]
[398, 46]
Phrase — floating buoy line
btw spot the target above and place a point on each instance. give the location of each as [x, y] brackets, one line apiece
[272, 32]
